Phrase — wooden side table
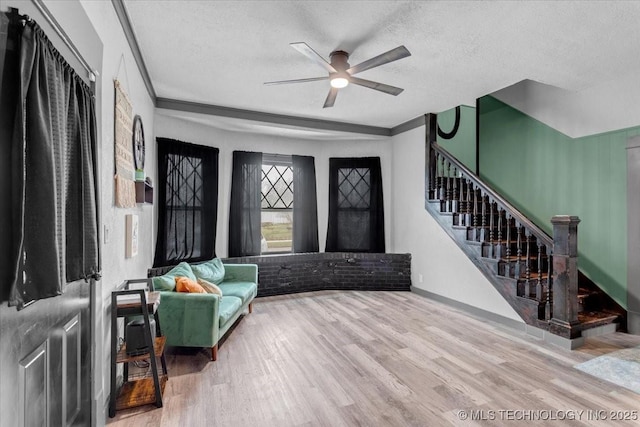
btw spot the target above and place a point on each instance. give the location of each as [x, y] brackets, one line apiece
[148, 388]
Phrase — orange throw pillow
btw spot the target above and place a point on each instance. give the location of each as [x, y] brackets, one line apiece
[184, 284]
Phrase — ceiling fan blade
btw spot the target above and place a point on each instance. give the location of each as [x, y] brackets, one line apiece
[312, 79]
[331, 98]
[384, 58]
[391, 90]
[304, 49]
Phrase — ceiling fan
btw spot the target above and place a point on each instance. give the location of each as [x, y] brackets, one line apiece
[341, 73]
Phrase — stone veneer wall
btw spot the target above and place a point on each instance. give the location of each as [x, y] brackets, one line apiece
[292, 273]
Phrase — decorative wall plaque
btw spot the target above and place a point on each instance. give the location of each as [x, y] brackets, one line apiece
[125, 190]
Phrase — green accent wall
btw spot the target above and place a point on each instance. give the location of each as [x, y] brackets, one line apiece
[463, 144]
[544, 173]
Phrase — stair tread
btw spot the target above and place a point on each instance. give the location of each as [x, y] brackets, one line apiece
[592, 319]
[534, 276]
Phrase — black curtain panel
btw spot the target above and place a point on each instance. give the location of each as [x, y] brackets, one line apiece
[305, 205]
[356, 208]
[9, 76]
[187, 202]
[245, 213]
[52, 177]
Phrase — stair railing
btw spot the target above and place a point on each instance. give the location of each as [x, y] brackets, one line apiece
[520, 249]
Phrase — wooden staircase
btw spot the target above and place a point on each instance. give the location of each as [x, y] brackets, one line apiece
[512, 252]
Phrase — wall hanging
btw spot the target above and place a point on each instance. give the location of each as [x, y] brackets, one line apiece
[125, 190]
[131, 240]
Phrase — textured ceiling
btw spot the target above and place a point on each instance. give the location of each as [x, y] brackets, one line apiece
[221, 52]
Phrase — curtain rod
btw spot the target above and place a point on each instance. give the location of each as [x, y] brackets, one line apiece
[65, 38]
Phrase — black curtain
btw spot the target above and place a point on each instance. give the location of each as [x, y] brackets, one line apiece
[50, 185]
[245, 213]
[9, 76]
[356, 208]
[305, 205]
[187, 202]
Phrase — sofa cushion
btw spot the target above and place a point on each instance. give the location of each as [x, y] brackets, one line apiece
[211, 271]
[167, 282]
[210, 288]
[184, 284]
[228, 307]
[243, 290]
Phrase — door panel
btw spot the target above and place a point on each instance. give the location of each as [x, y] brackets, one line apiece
[45, 361]
[71, 370]
[34, 387]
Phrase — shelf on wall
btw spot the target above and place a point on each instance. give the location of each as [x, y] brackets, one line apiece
[144, 192]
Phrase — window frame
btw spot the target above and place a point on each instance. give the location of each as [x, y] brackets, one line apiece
[277, 160]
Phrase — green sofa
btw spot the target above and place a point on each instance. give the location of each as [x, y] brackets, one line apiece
[197, 319]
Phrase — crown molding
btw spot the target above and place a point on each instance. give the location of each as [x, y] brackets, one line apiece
[407, 126]
[125, 22]
[237, 113]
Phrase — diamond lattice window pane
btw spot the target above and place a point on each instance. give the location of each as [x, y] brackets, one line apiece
[184, 188]
[354, 187]
[277, 187]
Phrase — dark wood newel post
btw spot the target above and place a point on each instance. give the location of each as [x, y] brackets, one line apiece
[431, 132]
[564, 321]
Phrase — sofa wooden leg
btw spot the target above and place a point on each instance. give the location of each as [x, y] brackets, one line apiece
[250, 307]
[214, 352]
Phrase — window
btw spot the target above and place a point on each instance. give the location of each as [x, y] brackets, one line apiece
[273, 206]
[187, 198]
[356, 216]
[354, 202]
[184, 199]
[276, 204]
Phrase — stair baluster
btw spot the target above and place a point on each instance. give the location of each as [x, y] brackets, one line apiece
[468, 222]
[518, 266]
[539, 290]
[549, 303]
[476, 235]
[498, 253]
[491, 225]
[483, 229]
[441, 191]
[461, 200]
[527, 270]
[507, 251]
[454, 191]
[448, 189]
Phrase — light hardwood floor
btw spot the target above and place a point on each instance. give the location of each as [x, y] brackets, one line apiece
[349, 358]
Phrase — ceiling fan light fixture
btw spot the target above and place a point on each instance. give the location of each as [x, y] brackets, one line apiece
[339, 82]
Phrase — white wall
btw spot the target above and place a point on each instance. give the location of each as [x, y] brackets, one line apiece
[194, 129]
[445, 269]
[611, 105]
[117, 63]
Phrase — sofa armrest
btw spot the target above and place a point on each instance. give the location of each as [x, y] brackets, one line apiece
[189, 319]
[241, 273]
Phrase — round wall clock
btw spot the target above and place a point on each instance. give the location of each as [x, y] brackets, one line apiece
[138, 143]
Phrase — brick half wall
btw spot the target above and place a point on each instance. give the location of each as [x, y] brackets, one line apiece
[292, 273]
